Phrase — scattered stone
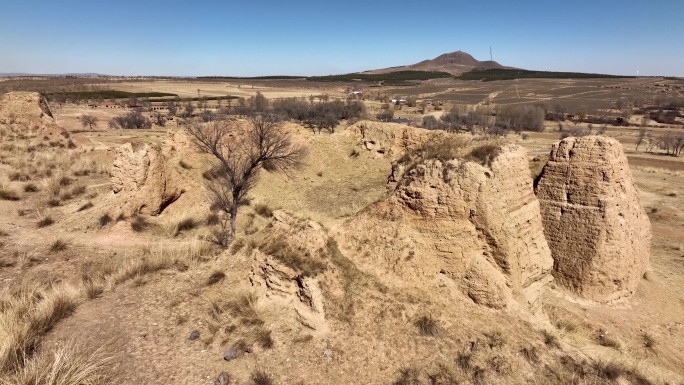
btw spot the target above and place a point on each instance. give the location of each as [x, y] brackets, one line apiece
[195, 335]
[327, 353]
[231, 354]
[222, 379]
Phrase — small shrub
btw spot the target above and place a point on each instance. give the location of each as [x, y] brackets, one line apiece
[263, 210]
[139, 224]
[264, 338]
[58, 245]
[484, 154]
[54, 202]
[495, 339]
[354, 154]
[45, 222]
[243, 306]
[8, 194]
[649, 341]
[427, 326]
[215, 278]
[550, 339]
[30, 188]
[213, 220]
[259, 377]
[408, 376]
[184, 165]
[85, 206]
[104, 220]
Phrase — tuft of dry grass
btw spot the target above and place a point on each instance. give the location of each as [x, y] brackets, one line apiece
[260, 377]
[215, 277]
[45, 221]
[139, 224]
[30, 188]
[263, 210]
[8, 194]
[649, 341]
[28, 314]
[85, 206]
[104, 220]
[58, 245]
[180, 224]
[427, 326]
[66, 364]
[244, 307]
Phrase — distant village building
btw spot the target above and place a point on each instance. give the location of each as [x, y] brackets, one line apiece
[398, 101]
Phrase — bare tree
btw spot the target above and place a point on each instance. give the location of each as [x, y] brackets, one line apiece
[239, 152]
[87, 121]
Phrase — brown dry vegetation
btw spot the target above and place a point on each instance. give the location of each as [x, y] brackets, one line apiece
[131, 288]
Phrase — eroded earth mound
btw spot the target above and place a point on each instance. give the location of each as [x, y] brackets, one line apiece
[477, 225]
[598, 231]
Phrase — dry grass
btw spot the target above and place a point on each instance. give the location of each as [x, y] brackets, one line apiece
[180, 224]
[139, 224]
[45, 221]
[104, 220]
[27, 315]
[215, 277]
[427, 326]
[8, 194]
[297, 258]
[58, 245]
[66, 364]
[260, 377]
[85, 206]
[244, 307]
[159, 258]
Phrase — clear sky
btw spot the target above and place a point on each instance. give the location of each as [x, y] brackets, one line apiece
[269, 37]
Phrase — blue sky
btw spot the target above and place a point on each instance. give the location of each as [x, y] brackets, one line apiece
[260, 37]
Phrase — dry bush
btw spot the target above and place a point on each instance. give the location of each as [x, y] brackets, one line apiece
[7, 193]
[45, 221]
[260, 377]
[58, 245]
[30, 188]
[263, 210]
[408, 376]
[85, 206]
[179, 224]
[66, 364]
[139, 224]
[104, 220]
[427, 326]
[244, 307]
[649, 341]
[215, 277]
[484, 154]
[264, 338]
[550, 339]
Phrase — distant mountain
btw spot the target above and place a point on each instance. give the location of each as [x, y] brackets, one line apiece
[455, 63]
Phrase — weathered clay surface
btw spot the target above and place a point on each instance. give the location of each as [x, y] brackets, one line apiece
[480, 226]
[145, 178]
[26, 106]
[29, 113]
[389, 139]
[599, 234]
[282, 284]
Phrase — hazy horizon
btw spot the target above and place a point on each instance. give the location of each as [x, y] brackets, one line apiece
[261, 38]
